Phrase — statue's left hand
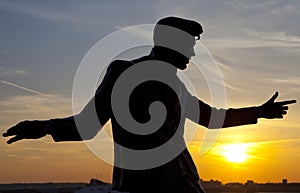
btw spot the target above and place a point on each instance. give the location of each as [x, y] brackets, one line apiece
[272, 109]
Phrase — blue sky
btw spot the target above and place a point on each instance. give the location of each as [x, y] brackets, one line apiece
[256, 44]
[42, 43]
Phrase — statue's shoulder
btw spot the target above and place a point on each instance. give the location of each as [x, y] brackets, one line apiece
[119, 66]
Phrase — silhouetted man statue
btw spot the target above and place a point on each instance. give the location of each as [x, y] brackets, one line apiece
[174, 41]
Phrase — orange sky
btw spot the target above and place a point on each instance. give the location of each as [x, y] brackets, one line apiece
[269, 159]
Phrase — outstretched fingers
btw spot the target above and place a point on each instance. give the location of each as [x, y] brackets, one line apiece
[282, 103]
[272, 99]
[283, 108]
[14, 130]
[14, 139]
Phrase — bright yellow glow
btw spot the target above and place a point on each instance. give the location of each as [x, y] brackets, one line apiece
[236, 153]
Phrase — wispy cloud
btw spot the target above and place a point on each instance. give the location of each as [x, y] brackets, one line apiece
[16, 72]
[34, 105]
[12, 71]
[269, 41]
[273, 36]
[25, 88]
[294, 81]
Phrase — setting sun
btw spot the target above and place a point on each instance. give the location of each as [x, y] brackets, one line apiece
[236, 153]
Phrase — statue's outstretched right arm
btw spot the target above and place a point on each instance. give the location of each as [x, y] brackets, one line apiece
[82, 126]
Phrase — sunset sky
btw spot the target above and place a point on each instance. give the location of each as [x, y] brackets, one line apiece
[256, 45]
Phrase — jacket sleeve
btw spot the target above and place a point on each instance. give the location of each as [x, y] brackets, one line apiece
[214, 118]
[89, 121]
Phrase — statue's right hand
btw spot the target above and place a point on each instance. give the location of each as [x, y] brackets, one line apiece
[26, 130]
